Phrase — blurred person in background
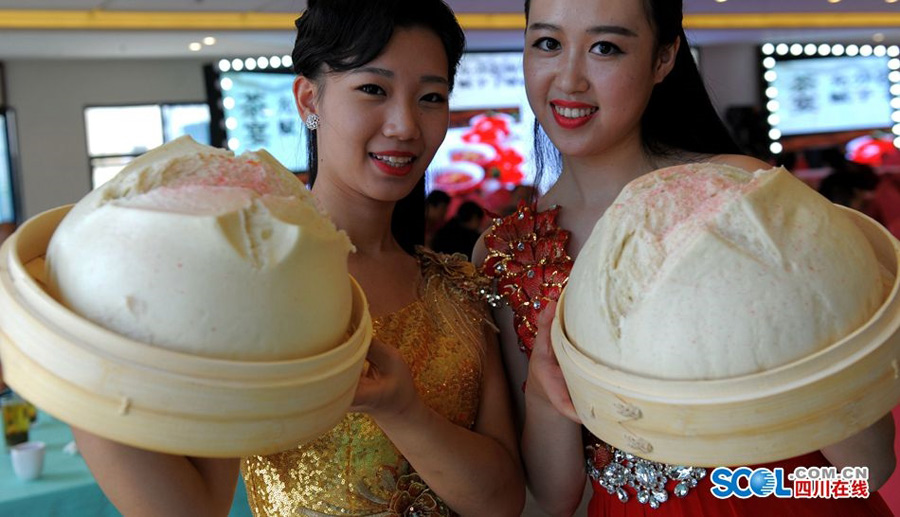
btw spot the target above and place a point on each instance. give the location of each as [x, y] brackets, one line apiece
[461, 232]
[436, 206]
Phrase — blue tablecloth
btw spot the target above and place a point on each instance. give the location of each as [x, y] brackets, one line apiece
[66, 488]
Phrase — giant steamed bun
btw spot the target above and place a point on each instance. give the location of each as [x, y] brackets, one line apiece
[707, 271]
[198, 251]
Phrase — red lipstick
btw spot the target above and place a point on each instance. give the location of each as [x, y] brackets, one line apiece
[393, 169]
[569, 122]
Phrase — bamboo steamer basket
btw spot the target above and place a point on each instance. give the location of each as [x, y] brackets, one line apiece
[772, 415]
[157, 399]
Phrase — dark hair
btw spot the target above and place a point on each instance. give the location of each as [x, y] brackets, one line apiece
[468, 210]
[341, 35]
[437, 198]
[679, 115]
[842, 186]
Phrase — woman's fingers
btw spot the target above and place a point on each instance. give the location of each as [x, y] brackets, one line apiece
[546, 367]
[386, 384]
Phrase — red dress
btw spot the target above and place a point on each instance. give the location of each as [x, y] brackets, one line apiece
[527, 258]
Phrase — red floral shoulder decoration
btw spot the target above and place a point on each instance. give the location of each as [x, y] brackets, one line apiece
[527, 258]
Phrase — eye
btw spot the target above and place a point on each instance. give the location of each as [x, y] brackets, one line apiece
[435, 98]
[546, 44]
[605, 48]
[372, 89]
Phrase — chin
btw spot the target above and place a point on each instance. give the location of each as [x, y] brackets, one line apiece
[391, 194]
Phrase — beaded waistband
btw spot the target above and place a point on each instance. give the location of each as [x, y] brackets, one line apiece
[625, 474]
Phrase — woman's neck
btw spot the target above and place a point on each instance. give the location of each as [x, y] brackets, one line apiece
[592, 182]
[367, 221]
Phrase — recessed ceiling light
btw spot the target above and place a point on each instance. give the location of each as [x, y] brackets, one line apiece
[195, 46]
[890, 1]
[209, 40]
[720, 1]
[834, 1]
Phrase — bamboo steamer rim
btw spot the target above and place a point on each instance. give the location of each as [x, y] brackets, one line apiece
[789, 376]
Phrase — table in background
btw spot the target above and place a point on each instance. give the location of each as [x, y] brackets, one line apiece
[66, 488]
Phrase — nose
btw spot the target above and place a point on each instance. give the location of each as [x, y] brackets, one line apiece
[402, 122]
[571, 77]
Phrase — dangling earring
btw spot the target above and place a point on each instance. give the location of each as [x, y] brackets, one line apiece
[312, 122]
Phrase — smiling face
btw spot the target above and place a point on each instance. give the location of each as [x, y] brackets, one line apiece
[381, 124]
[590, 67]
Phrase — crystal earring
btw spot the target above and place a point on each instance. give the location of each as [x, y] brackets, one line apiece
[312, 122]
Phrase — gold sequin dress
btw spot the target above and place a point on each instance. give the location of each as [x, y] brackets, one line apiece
[354, 470]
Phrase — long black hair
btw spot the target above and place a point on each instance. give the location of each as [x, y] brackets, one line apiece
[341, 35]
[679, 116]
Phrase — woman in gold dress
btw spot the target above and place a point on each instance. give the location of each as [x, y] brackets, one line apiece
[430, 431]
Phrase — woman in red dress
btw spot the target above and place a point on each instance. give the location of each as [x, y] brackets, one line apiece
[614, 86]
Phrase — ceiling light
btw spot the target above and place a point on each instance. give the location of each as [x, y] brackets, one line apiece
[890, 1]
[209, 40]
[195, 46]
[834, 1]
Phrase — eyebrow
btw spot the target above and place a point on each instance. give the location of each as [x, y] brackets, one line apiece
[597, 29]
[383, 72]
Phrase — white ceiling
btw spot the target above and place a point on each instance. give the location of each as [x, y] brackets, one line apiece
[30, 44]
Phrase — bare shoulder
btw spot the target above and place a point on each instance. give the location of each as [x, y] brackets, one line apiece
[741, 161]
[479, 253]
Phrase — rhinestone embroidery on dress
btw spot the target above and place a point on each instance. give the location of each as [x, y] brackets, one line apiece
[648, 479]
